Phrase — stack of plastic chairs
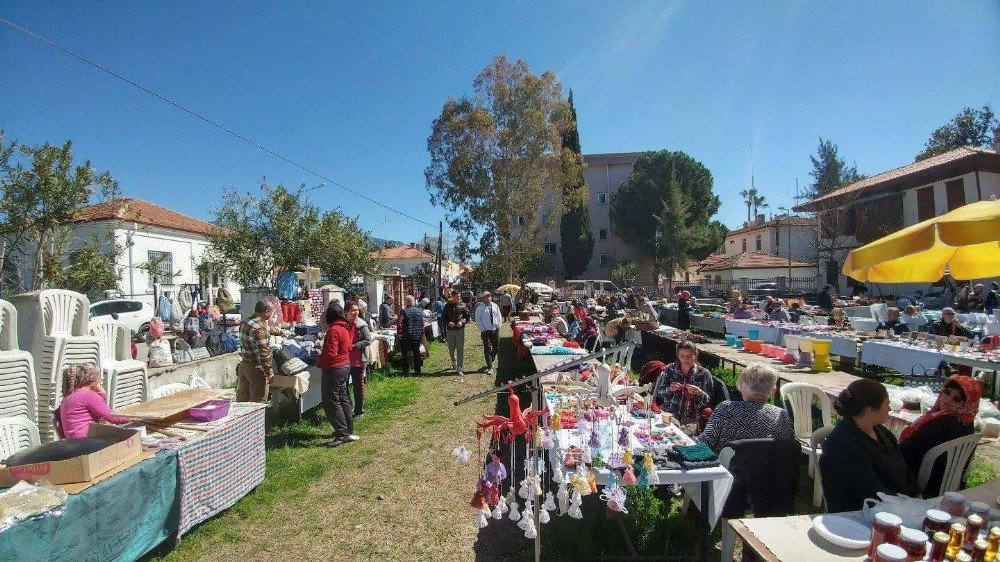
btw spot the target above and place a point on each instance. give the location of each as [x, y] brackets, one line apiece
[53, 325]
[125, 379]
[18, 395]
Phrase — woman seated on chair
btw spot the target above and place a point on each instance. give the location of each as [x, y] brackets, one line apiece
[950, 418]
[861, 457]
[588, 333]
[751, 418]
[84, 401]
[685, 388]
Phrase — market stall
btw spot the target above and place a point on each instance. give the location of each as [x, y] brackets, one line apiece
[782, 539]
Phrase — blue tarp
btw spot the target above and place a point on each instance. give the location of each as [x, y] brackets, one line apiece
[119, 519]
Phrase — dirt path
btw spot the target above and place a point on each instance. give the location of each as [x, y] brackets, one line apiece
[395, 495]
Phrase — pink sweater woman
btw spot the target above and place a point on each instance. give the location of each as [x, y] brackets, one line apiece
[84, 401]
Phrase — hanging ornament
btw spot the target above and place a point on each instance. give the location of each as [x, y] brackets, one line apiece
[598, 460]
[562, 494]
[651, 473]
[502, 504]
[514, 514]
[556, 424]
[543, 516]
[527, 517]
[481, 520]
[627, 459]
[548, 441]
[462, 455]
[574, 506]
[592, 481]
[550, 502]
[586, 457]
[628, 478]
[530, 532]
[623, 437]
[595, 439]
[497, 512]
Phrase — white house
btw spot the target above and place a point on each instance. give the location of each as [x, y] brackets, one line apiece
[150, 234]
[866, 210]
[406, 259]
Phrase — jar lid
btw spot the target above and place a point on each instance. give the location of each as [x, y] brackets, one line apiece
[913, 535]
[979, 507]
[938, 516]
[954, 497]
[887, 518]
[941, 536]
[892, 552]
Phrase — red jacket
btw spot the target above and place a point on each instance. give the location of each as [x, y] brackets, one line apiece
[336, 345]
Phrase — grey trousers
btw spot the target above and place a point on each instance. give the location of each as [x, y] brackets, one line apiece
[456, 347]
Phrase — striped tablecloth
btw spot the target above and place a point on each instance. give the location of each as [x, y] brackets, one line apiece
[218, 469]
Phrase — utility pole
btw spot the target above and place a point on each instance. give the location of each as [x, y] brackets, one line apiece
[440, 257]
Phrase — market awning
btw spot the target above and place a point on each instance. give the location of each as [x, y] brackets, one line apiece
[966, 241]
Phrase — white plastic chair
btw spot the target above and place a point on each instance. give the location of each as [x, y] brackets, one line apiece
[800, 397]
[168, 389]
[958, 452]
[16, 434]
[64, 313]
[815, 445]
[8, 326]
[126, 378]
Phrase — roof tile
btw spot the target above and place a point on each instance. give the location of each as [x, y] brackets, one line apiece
[143, 212]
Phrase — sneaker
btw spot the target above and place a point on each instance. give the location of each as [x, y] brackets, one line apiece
[337, 442]
[461, 374]
[352, 437]
[358, 416]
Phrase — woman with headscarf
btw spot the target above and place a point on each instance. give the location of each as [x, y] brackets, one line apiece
[588, 333]
[335, 360]
[84, 401]
[950, 418]
[684, 310]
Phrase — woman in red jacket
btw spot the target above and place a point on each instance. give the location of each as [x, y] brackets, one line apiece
[336, 364]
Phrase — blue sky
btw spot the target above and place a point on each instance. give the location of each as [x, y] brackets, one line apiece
[350, 88]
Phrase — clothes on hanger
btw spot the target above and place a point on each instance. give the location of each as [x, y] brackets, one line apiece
[164, 309]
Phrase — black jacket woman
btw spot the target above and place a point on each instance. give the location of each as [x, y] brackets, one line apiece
[861, 457]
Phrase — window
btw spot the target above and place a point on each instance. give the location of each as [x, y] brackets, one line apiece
[744, 244]
[925, 203]
[605, 260]
[550, 249]
[545, 219]
[777, 238]
[102, 309]
[132, 306]
[956, 193]
[519, 220]
[161, 267]
[758, 242]
[602, 234]
[602, 197]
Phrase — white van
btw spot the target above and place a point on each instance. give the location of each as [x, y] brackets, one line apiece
[587, 288]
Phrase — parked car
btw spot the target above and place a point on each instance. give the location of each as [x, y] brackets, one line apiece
[587, 288]
[764, 289]
[136, 314]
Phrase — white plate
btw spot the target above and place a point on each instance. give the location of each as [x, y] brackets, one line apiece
[842, 531]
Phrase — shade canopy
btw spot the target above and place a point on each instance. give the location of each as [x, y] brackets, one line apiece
[966, 241]
[509, 288]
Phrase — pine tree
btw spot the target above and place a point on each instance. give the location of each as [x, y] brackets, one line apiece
[830, 171]
[577, 241]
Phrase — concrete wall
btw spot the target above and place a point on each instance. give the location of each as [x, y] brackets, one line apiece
[218, 371]
[803, 239]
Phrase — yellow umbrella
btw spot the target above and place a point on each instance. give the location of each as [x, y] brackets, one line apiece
[966, 241]
[509, 288]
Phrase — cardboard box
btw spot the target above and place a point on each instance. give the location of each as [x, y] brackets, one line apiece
[127, 445]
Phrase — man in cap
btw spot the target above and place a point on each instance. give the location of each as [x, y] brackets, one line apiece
[489, 319]
[455, 316]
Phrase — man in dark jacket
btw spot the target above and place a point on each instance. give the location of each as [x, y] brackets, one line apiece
[456, 316]
[949, 325]
[410, 335]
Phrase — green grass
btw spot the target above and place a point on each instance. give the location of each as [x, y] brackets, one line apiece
[980, 472]
[296, 458]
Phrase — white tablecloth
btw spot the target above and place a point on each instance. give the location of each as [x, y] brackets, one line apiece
[719, 479]
[741, 328]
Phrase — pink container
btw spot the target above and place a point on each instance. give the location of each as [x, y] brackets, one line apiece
[210, 411]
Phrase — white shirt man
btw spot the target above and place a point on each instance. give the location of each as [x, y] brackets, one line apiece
[489, 320]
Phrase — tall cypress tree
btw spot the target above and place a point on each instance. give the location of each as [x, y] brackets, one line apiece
[577, 241]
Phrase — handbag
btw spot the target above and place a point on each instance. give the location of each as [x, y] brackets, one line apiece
[182, 352]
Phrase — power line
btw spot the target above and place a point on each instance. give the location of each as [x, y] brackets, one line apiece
[194, 113]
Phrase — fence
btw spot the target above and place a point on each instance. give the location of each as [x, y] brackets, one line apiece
[779, 285]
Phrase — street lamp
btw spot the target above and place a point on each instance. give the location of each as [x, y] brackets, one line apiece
[788, 236]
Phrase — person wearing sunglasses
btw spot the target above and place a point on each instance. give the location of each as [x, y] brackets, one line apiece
[951, 417]
[949, 325]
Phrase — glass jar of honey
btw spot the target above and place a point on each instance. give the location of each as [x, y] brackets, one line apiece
[956, 538]
[889, 553]
[939, 547]
[914, 542]
[973, 525]
[953, 503]
[885, 529]
[936, 520]
[992, 544]
[979, 550]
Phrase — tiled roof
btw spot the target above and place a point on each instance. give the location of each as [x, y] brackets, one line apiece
[401, 253]
[886, 178]
[782, 222]
[747, 260]
[143, 212]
